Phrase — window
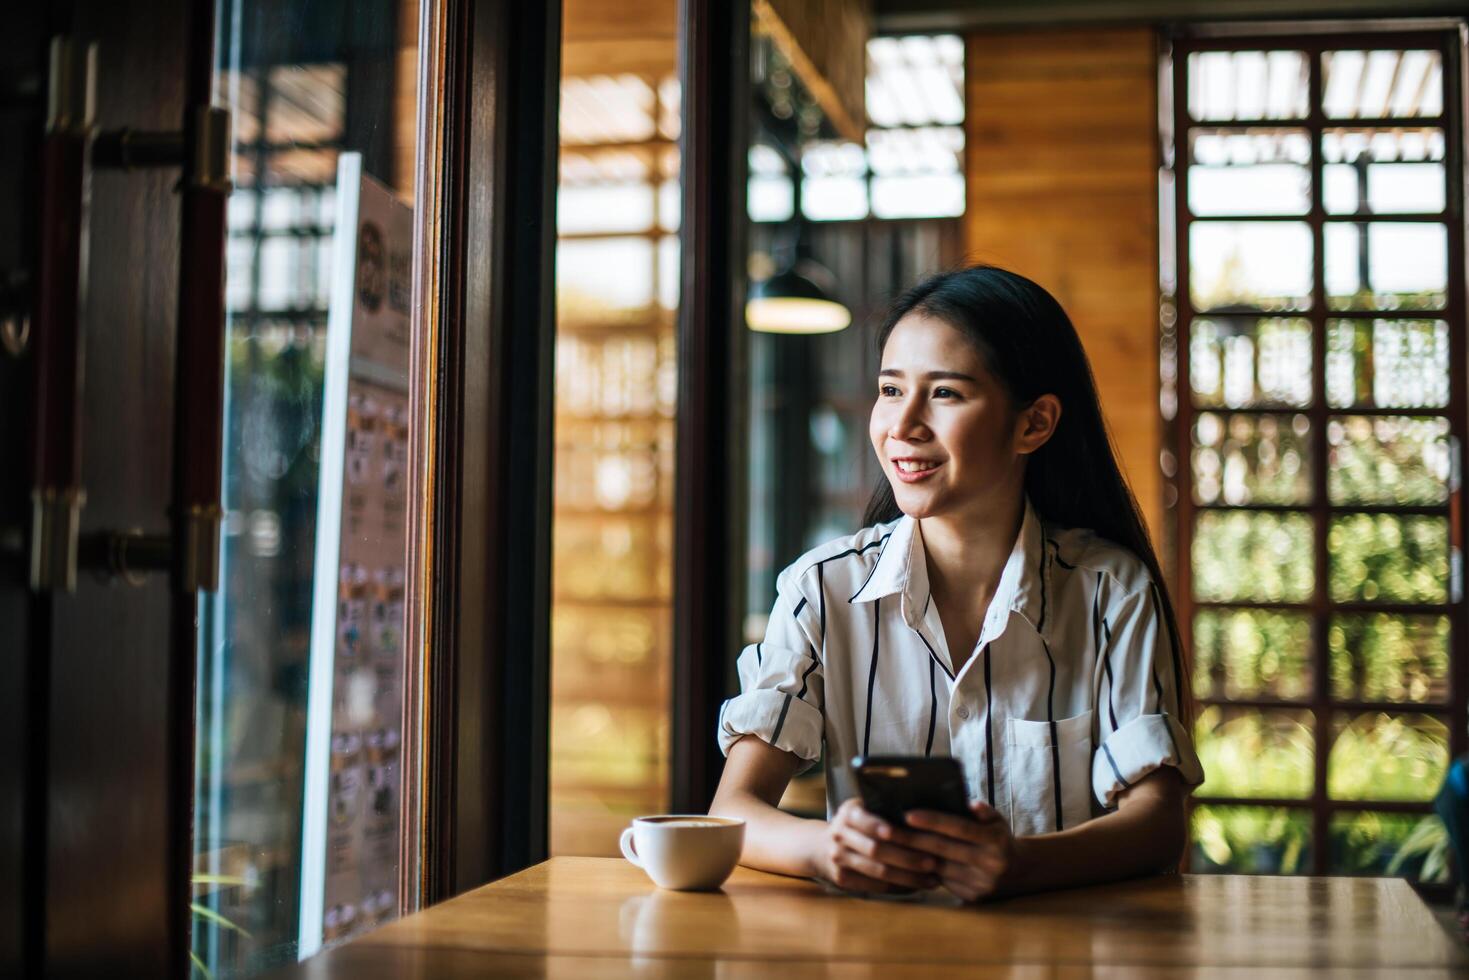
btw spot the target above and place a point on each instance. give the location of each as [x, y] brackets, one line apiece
[617, 280]
[912, 165]
[1313, 385]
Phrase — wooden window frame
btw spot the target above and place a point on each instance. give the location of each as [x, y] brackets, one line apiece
[1176, 317]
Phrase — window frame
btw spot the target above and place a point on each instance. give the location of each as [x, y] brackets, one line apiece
[1179, 411]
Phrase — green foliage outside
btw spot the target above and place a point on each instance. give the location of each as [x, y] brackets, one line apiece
[1389, 843]
[1388, 460]
[1252, 653]
[1241, 556]
[1382, 657]
[1388, 757]
[1387, 558]
[1249, 753]
[1251, 840]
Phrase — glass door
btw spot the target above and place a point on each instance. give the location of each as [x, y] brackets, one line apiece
[301, 654]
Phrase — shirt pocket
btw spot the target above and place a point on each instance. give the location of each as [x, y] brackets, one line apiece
[1041, 772]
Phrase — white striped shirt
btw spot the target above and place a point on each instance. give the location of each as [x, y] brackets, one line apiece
[1070, 696]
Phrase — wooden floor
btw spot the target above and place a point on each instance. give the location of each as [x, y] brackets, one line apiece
[600, 917]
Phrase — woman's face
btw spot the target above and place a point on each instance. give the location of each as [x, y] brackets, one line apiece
[943, 427]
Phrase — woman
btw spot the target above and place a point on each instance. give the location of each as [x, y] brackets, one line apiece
[1004, 607]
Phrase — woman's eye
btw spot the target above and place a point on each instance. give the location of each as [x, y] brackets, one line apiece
[945, 393]
[888, 391]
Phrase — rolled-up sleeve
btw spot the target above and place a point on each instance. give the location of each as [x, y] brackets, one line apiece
[781, 684]
[1139, 698]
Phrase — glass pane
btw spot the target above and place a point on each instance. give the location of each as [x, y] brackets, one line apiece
[1246, 556]
[1387, 363]
[1255, 265]
[1386, 266]
[1414, 845]
[1249, 172]
[1250, 840]
[1252, 753]
[1388, 460]
[1229, 85]
[615, 385]
[1252, 653]
[1251, 459]
[917, 173]
[1244, 363]
[835, 185]
[608, 109]
[1383, 171]
[1385, 657]
[301, 653]
[1387, 757]
[602, 280]
[1376, 84]
[1388, 558]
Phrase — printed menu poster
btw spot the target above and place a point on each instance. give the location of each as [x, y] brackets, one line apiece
[349, 871]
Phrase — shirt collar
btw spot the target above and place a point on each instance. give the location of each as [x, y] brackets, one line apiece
[902, 569]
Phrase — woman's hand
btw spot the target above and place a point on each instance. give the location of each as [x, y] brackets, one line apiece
[858, 852]
[975, 856]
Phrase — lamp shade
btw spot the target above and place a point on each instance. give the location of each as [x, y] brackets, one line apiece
[789, 302]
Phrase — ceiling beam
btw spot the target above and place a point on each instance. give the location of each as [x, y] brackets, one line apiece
[911, 16]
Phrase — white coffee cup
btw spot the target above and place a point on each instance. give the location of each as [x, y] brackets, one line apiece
[688, 852]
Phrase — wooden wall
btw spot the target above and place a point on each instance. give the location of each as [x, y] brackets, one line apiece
[1063, 187]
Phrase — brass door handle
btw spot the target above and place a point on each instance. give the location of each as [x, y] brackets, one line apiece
[70, 148]
[57, 496]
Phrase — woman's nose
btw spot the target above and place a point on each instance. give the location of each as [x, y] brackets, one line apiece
[909, 423]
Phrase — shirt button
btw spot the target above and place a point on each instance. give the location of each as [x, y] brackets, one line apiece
[963, 712]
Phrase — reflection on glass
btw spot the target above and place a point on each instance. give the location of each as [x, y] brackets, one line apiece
[1383, 171]
[616, 378]
[1250, 840]
[1389, 266]
[1369, 843]
[1388, 558]
[609, 276]
[1387, 757]
[835, 184]
[1251, 459]
[300, 95]
[1386, 657]
[1378, 84]
[608, 109]
[771, 195]
[1249, 172]
[1250, 753]
[1245, 363]
[1388, 460]
[1387, 363]
[1252, 653]
[917, 173]
[1224, 86]
[1244, 556]
[1256, 265]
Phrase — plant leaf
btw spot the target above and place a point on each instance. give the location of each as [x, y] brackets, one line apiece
[199, 965]
[217, 880]
[205, 912]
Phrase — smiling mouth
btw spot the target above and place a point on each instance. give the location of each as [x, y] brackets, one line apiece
[915, 465]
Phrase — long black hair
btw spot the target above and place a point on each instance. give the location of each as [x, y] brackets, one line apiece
[1030, 346]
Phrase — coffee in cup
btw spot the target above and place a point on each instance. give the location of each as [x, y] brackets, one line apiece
[687, 852]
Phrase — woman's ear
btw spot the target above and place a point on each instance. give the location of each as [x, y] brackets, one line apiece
[1037, 423]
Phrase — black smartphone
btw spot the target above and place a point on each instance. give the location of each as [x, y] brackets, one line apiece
[891, 785]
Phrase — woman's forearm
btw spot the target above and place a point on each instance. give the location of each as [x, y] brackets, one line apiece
[775, 841]
[1143, 838]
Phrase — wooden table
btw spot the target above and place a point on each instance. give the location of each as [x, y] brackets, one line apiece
[600, 917]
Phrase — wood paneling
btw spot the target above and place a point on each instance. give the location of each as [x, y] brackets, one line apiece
[826, 43]
[1061, 138]
[614, 37]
